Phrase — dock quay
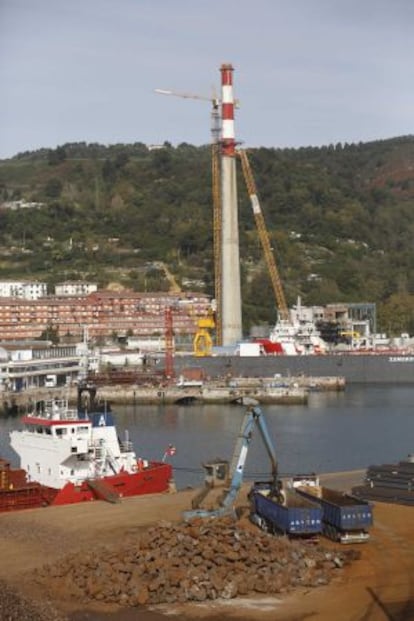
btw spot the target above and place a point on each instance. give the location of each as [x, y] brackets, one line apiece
[206, 394]
[162, 395]
[300, 381]
[237, 390]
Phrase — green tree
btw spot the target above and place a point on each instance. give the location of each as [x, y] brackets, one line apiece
[53, 188]
[56, 156]
[51, 333]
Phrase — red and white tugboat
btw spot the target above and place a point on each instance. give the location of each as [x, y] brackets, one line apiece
[70, 456]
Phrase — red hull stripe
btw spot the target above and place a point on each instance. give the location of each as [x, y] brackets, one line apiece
[49, 422]
[152, 480]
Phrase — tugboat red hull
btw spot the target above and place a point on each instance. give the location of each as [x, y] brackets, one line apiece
[154, 479]
[16, 493]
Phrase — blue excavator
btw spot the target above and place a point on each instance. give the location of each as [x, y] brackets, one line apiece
[301, 508]
[219, 474]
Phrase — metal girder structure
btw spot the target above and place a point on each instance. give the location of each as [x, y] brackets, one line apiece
[217, 219]
[216, 196]
[264, 237]
[169, 344]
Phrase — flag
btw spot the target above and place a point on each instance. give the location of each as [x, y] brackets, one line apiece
[169, 452]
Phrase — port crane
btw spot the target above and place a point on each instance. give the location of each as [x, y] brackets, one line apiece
[252, 417]
[174, 286]
[216, 194]
[264, 237]
[169, 344]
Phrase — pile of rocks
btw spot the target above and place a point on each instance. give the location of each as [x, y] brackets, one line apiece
[195, 561]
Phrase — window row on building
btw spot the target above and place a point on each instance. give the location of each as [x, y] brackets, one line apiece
[103, 313]
[33, 289]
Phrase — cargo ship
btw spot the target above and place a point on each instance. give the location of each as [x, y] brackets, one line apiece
[295, 347]
[69, 456]
[356, 367]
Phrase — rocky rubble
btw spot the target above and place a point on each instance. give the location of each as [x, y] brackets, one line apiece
[195, 561]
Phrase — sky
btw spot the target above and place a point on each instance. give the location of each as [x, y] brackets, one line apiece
[307, 72]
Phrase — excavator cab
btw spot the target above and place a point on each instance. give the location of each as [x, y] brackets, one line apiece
[217, 473]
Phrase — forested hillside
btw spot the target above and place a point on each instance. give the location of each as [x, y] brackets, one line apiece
[341, 219]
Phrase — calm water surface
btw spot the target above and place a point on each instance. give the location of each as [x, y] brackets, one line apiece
[336, 431]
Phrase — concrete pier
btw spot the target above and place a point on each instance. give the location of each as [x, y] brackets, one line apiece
[237, 390]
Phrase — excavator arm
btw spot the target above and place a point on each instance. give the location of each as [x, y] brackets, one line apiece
[253, 416]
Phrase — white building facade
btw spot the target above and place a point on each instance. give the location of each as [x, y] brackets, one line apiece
[25, 289]
[75, 288]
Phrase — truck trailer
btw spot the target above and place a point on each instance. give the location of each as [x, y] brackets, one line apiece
[345, 518]
[295, 516]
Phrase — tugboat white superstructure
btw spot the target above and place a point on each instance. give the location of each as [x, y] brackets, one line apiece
[75, 456]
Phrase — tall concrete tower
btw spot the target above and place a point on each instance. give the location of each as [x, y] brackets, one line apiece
[231, 315]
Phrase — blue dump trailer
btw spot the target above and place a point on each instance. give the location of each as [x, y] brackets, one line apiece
[295, 516]
[345, 518]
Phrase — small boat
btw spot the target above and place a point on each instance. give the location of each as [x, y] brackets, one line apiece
[68, 456]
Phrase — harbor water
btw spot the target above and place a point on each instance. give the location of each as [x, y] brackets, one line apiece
[335, 431]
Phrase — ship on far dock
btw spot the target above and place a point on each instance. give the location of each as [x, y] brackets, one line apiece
[379, 367]
[296, 347]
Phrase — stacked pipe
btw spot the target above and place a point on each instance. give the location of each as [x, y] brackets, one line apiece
[389, 483]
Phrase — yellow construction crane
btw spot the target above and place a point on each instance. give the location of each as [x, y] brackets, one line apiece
[174, 286]
[217, 226]
[264, 237]
[216, 194]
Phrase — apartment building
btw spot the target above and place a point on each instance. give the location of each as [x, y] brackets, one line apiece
[27, 364]
[75, 287]
[104, 314]
[24, 289]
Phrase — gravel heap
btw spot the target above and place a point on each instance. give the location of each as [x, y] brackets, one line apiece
[15, 607]
[195, 561]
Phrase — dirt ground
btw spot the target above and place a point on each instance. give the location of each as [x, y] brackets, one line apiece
[378, 587]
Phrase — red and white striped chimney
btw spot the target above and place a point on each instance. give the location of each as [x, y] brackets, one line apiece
[227, 111]
[230, 259]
